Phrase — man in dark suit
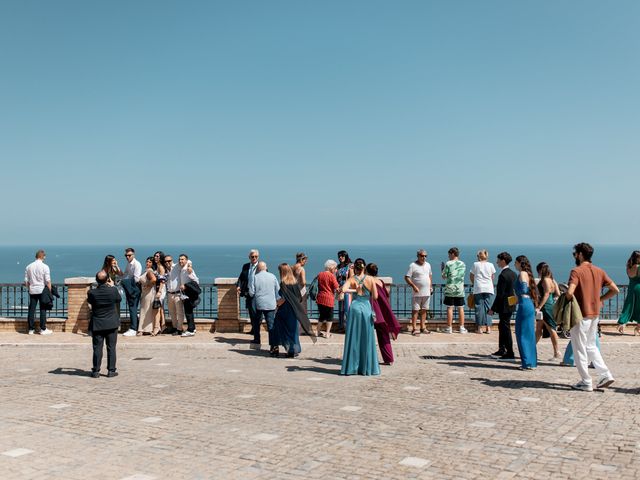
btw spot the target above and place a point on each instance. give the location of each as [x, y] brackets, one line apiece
[504, 290]
[105, 321]
[247, 275]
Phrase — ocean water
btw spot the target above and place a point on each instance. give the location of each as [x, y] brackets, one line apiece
[226, 261]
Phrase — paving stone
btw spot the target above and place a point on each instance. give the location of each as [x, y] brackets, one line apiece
[17, 452]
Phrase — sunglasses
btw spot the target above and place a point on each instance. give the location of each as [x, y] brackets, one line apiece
[128, 255]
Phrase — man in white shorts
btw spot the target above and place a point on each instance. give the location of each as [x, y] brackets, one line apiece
[419, 278]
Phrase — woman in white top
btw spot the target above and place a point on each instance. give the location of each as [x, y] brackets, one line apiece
[481, 276]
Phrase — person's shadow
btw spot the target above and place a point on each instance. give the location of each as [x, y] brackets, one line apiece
[519, 384]
[75, 372]
[327, 371]
[232, 341]
[251, 353]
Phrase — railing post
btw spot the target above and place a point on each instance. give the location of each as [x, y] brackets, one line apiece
[228, 306]
[77, 306]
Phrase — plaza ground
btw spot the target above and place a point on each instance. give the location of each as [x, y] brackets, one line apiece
[209, 407]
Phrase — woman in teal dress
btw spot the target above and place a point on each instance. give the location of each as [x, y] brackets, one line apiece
[548, 292]
[360, 356]
[527, 294]
[631, 307]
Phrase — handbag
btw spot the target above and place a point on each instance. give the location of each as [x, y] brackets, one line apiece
[512, 300]
[471, 301]
[156, 304]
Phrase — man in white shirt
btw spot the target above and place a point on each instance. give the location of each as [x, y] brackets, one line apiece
[130, 281]
[37, 276]
[419, 278]
[188, 277]
[176, 309]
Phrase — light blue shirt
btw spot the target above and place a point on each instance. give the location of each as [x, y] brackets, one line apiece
[265, 291]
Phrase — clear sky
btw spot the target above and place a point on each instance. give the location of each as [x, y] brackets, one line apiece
[309, 122]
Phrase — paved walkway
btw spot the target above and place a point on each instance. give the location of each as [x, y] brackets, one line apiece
[208, 407]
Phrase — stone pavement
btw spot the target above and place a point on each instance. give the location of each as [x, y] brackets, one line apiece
[208, 407]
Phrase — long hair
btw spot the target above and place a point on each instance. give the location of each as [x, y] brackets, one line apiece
[106, 265]
[544, 271]
[525, 266]
[286, 274]
[634, 259]
[347, 260]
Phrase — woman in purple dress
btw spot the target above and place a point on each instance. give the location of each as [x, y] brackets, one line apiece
[386, 323]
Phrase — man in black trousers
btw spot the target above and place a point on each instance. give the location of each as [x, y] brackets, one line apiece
[501, 306]
[246, 277]
[105, 322]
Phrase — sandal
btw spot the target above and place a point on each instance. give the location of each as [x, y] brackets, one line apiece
[415, 333]
[621, 329]
[425, 331]
[636, 331]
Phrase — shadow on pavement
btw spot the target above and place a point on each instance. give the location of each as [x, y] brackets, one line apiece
[327, 360]
[517, 384]
[327, 371]
[71, 371]
[251, 353]
[233, 341]
[492, 366]
[628, 391]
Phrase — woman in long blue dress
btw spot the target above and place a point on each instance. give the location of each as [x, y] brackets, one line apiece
[527, 294]
[291, 314]
[360, 356]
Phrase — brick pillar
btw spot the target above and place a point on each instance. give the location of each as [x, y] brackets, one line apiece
[77, 306]
[228, 306]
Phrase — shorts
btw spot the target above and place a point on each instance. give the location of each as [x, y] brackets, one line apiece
[421, 302]
[454, 301]
[325, 314]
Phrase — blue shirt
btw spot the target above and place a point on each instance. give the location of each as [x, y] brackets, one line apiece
[265, 291]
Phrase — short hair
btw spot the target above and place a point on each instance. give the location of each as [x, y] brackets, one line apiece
[129, 250]
[261, 266]
[422, 250]
[184, 255]
[329, 264]
[300, 256]
[454, 251]
[483, 254]
[372, 269]
[102, 277]
[505, 257]
[585, 249]
[253, 250]
[40, 254]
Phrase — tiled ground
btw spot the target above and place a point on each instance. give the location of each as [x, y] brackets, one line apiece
[208, 407]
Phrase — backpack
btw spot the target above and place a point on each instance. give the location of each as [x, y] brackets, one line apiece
[313, 289]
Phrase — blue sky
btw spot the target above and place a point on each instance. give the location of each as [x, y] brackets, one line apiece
[302, 122]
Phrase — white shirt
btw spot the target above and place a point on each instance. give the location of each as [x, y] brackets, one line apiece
[37, 275]
[482, 272]
[133, 270]
[173, 279]
[186, 277]
[420, 275]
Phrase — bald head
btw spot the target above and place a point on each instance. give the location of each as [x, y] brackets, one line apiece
[261, 266]
[101, 277]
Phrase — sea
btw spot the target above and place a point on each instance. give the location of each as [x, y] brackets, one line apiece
[215, 261]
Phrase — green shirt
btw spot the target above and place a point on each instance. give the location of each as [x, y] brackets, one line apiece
[454, 274]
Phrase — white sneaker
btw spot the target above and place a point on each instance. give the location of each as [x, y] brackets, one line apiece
[582, 386]
[448, 330]
[130, 333]
[46, 331]
[187, 333]
[463, 330]
[32, 332]
[604, 382]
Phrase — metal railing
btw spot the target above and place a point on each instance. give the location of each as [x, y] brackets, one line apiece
[14, 303]
[401, 295]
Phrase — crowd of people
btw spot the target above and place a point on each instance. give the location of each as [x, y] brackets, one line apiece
[541, 304]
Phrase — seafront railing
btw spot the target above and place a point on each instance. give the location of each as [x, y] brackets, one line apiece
[14, 303]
